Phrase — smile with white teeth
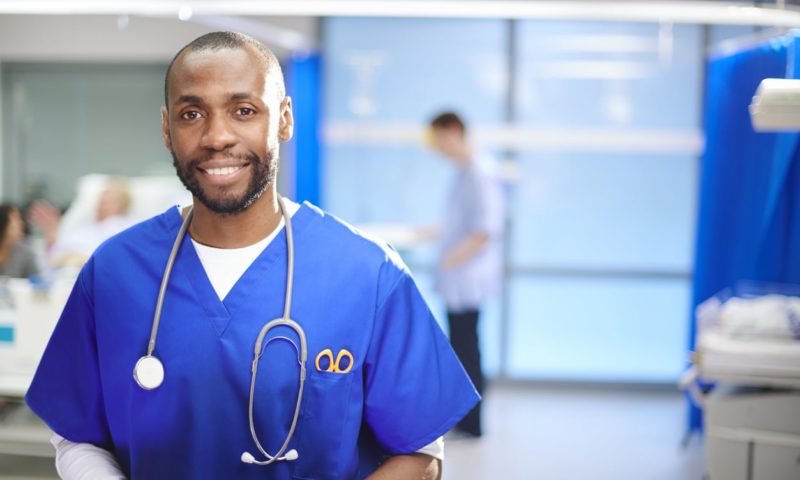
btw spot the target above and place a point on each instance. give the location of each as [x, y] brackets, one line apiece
[222, 170]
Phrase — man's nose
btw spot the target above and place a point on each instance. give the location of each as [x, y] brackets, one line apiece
[218, 134]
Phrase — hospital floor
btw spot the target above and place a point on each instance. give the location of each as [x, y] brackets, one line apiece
[555, 433]
[549, 433]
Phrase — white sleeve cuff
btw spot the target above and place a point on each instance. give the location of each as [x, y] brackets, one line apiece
[84, 461]
[434, 449]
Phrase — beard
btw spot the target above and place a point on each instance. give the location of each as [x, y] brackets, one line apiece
[262, 177]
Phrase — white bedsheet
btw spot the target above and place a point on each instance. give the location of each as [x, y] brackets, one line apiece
[748, 360]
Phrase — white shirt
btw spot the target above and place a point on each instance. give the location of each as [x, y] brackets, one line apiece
[224, 267]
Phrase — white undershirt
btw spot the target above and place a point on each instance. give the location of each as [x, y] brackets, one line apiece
[224, 267]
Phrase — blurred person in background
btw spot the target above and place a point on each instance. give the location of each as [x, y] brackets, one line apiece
[17, 258]
[469, 267]
[74, 248]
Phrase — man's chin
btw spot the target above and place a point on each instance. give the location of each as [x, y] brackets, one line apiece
[226, 200]
[224, 208]
[228, 204]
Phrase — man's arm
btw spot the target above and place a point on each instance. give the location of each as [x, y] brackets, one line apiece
[416, 466]
[464, 250]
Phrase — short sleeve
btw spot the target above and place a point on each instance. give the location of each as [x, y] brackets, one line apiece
[487, 210]
[416, 389]
[66, 391]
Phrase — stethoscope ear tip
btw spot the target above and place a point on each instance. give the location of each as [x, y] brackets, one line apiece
[248, 458]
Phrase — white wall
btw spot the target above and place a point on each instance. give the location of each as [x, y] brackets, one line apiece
[102, 39]
[84, 38]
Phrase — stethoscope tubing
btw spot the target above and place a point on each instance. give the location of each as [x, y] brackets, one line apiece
[302, 352]
[162, 291]
[285, 320]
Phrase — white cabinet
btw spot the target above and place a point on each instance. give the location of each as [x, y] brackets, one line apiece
[776, 462]
[753, 434]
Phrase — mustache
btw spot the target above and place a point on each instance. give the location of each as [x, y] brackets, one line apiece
[228, 155]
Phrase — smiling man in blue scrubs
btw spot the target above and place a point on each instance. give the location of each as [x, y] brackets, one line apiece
[381, 414]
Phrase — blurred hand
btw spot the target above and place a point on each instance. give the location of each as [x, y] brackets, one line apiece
[449, 262]
[47, 218]
[464, 251]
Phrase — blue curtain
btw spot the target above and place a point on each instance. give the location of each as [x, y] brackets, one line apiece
[749, 212]
[303, 83]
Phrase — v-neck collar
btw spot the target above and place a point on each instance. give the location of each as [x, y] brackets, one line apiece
[219, 312]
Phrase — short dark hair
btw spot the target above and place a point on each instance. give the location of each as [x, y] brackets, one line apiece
[222, 40]
[448, 120]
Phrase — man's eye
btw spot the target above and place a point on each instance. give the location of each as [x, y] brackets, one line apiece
[191, 115]
[245, 111]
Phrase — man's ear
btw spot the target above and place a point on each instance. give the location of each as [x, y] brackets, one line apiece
[286, 120]
[165, 129]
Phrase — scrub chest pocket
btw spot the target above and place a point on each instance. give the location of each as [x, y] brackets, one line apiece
[323, 416]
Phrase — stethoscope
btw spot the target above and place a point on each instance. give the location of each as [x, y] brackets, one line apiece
[149, 371]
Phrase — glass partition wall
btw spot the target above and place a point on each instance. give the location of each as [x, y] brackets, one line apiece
[597, 126]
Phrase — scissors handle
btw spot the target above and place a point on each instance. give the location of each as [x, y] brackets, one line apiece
[334, 363]
[325, 353]
[344, 353]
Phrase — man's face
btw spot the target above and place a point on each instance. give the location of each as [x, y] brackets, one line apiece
[111, 203]
[448, 142]
[223, 127]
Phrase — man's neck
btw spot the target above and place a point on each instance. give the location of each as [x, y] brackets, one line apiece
[236, 230]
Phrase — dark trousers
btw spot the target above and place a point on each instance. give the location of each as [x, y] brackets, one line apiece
[464, 339]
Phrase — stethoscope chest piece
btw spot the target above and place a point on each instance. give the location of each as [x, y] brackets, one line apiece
[149, 372]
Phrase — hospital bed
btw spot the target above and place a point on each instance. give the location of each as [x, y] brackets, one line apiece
[773, 362]
[752, 414]
[150, 196]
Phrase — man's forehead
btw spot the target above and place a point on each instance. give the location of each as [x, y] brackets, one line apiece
[230, 65]
[210, 56]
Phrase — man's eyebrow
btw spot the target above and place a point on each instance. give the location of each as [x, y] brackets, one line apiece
[195, 99]
[236, 97]
[189, 99]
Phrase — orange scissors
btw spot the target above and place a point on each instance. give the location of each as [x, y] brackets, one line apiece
[335, 366]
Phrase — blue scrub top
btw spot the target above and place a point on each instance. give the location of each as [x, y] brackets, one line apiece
[406, 387]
